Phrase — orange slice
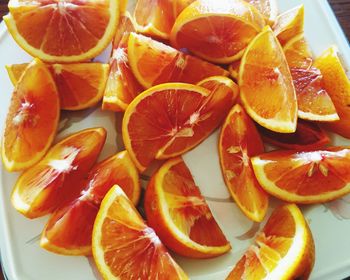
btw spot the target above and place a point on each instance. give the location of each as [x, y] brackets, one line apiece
[268, 8]
[180, 215]
[308, 136]
[155, 63]
[337, 84]
[121, 240]
[122, 86]
[154, 17]
[217, 32]
[180, 5]
[66, 232]
[57, 177]
[298, 53]
[58, 31]
[32, 119]
[79, 85]
[266, 85]
[283, 250]
[239, 140]
[289, 24]
[170, 119]
[305, 177]
[234, 69]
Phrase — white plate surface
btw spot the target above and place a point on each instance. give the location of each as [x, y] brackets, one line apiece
[330, 224]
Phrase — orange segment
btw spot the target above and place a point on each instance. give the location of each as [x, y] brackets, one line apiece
[266, 85]
[239, 140]
[155, 63]
[337, 84]
[32, 119]
[154, 17]
[122, 86]
[289, 24]
[58, 31]
[179, 214]
[283, 250]
[58, 176]
[234, 69]
[15, 71]
[305, 177]
[79, 85]
[66, 232]
[217, 31]
[121, 240]
[298, 53]
[268, 8]
[180, 5]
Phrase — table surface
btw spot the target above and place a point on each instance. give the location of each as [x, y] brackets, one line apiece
[340, 7]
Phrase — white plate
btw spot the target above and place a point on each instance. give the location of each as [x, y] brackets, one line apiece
[22, 257]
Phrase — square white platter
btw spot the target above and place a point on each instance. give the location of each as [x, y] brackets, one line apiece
[23, 259]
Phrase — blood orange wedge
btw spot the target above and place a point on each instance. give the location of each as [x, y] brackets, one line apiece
[267, 90]
[308, 136]
[289, 24]
[337, 84]
[283, 250]
[79, 85]
[268, 8]
[298, 53]
[59, 31]
[32, 119]
[305, 177]
[57, 177]
[69, 229]
[179, 214]
[154, 17]
[124, 247]
[170, 119]
[15, 71]
[234, 69]
[155, 63]
[239, 140]
[217, 31]
[180, 5]
[122, 86]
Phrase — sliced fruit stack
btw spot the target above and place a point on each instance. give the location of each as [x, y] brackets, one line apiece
[168, 75]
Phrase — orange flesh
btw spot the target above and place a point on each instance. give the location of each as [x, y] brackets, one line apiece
[76, 25]
[188, 209]
[239, 140]
[33, 116]
[299, 55]
[309, 173]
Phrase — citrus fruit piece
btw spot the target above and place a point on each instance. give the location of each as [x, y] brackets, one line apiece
[155, 63]
[32, 119]
[122, 86]
[217, 32]
[308, 136]
[154, 17]
[266, 85]
[180, 5]
[234, 69]
[305, 176]
[220, 86]
[66, 232]
[298, 53]
[179, 214]
[121, 239]
[239, 140]
[15, 71]
[289, 24]
[57, 177]
[170, 119]
[79, 85]
[58, 31]
[268, 8]
[283, 250]
[314, 103]
[337, 84]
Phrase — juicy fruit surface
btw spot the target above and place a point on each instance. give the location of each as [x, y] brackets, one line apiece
[180, 215]
[69, 229]
[217, 32]
[283, 250]
[32, 119]
[239, 140]
[124, 247]
[268, 8]
[59, 31]
[155, 63]
[169, 119]
[305, 176]
[298, 53]
[59, 175]
[266, 85]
